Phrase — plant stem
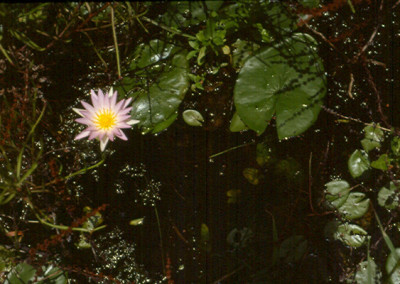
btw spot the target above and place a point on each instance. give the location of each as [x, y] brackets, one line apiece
[161, 240]
[115, 41]
[164, 27]
[230, 149]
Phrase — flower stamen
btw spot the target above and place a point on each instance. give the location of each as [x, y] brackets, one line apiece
[105, 119]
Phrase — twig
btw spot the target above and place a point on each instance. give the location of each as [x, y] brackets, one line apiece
[354, 119]
[349, 90]
[169, 29]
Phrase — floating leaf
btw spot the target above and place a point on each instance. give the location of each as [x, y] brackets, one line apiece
[263, 154]
[368, 272]
[286, 79]
[21, 274]
[53, 275]
[373, 138]
[156, 105]
[337, 192]
[382, 163]
[233, 195]
[350, 234]
[237, 124]
[358, 163]
[395, 145]
[293, 248]
[239, 238]
[355, 206]
[136, 222]
[393, 267]
[389, 198]
[252, 175]
[192, 117]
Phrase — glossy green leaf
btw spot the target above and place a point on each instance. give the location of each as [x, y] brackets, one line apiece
[358, 163]
[136, 222]
[165, 124]
[21, 274]
[293, 248]
[355, 206]
[52, 275]
[337, 192]
[237, 124]
[286, 79]
[373, 138]
[368, 273]
[389, 197]
[164, 96]
[395, 145]
[192, 117]
[350, 234]
[382, 163]
[393, 267]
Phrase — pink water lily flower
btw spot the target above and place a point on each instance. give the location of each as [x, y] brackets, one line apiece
[105, 118]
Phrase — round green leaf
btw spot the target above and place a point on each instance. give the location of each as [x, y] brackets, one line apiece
[355, 206]
[389, 198]
[237, 124]
[192, 117]
[382, 163]
[164, 96]
[350, 234]
[368, 272]
[358, 163]
[286, 79]
[393, 267]
[337, 192]
[293, 248]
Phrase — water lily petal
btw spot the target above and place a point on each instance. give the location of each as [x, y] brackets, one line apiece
[81, 135]
[132, 121]
[78, 111]
[121, 135]
[103, 143]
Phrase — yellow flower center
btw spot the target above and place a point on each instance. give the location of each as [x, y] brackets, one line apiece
[105, 119]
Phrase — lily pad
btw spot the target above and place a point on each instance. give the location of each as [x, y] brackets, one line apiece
[393, 267]
[389, 197]
[20, 274]
[287, 80]
[237, 124]
[158, 81]
[192, 117]
[350, 234]
[382, 163]
[358, 163]
[337, 192]
[368, 272]
[293, 248]
[355, 206]
[373, 138]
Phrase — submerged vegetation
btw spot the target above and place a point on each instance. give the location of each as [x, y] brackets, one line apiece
[264, 145]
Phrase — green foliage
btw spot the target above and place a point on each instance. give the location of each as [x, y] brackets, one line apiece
[157, 108]
[293, 248]
[358, 163]
[389, 197]
[392, 266]
[25, 273]
[337, 192]
[373, 138]
[192, 117]
[350, 234]
[285, 79]
[237, 124]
